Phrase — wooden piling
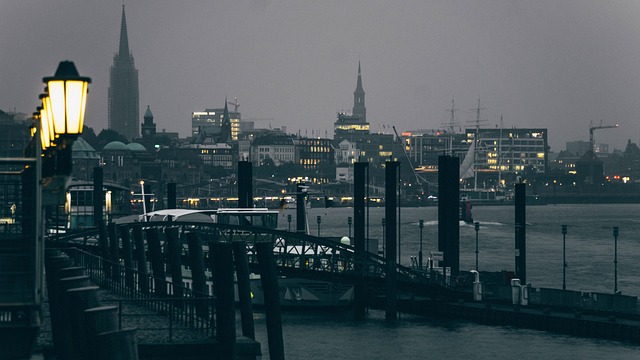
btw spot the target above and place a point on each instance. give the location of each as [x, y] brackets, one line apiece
[141, 260]
[269, 281]
[199, 281]
[157, 262]
[244, 288]
[222, 253]
[127, 255]
[174, 258]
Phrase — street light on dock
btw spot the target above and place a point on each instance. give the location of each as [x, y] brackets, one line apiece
[349, 222]
[289, 221]
[616, 232]
[319, 221]
[477, 227]
[564, 261]
[421, 225]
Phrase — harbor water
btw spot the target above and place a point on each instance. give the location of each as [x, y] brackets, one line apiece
[589, 254]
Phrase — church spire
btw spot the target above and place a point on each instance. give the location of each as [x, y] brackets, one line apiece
[123, 51]
[358, 98]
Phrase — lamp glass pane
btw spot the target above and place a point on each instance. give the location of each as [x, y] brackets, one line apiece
[57, 95]
[44, 130]
[46, 106]
[75, 105]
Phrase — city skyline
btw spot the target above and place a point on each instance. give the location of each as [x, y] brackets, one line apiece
[545, 65]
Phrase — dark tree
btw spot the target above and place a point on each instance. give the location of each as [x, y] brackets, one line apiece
[106, 136]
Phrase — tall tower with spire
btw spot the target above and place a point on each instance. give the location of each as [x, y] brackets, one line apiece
[358, 99]
[124, 104]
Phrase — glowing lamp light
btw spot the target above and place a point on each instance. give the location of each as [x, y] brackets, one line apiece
[68, 99]
[45, 136]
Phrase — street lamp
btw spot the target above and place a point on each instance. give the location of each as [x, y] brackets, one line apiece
[616, 232]
[289, 221]
[68, 99]
[421, 225]
[319, 221]
[477, 227]
[62, 114]
[564, 261]
[349, 222]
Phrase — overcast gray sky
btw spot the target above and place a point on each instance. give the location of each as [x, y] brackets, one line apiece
[544, 63]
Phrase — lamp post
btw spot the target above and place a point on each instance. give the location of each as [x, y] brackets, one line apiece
[477, 227]
[564, 261]
[289, 221]
[319, 218]
[616, 232]
[421, 225]
[384, 224]
[349, 222]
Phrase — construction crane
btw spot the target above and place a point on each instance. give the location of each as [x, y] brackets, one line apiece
[592, 128]
[235, 104]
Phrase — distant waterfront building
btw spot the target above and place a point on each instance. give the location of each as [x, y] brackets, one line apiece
[278, 147]
[510, 151]
[124, 110]
[212, 123]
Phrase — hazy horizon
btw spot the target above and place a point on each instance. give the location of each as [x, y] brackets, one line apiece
[543, 64]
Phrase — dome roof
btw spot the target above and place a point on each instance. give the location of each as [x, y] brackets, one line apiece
[116, 145]
[136, 147]
[82, 150]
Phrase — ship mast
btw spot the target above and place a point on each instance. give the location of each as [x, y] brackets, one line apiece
[452, 126]
[476, 140]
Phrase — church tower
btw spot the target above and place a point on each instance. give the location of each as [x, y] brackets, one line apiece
[359, 109]
[148, 126]
[123, 89]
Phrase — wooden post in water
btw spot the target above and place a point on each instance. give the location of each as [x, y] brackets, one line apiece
[244, 288]
[301, 217]
[391, 211]
[269, 280]
[174, 252]
[222, 253]
[449, 212]
[521, 234]
[245, 184]
[157, 261]
[171, 195]
[359, 288]
[114, 251]
[141, 260]
[196, 259]
[127, 255]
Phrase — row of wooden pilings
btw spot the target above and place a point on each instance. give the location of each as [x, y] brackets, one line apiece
[224, 256]
[81, 327]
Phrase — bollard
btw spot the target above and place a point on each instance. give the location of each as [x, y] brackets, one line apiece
[78, 300]
[269, 280]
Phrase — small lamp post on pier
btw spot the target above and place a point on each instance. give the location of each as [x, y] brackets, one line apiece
[564, 261]
[421, 225]
[349, 222]
[384, 224]
[616, 232]
[289, 221]
[477, 228]
[319, 221]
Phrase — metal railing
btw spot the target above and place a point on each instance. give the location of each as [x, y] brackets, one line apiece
[184, 308]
